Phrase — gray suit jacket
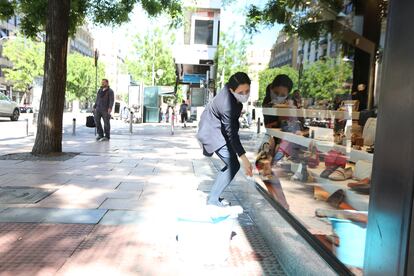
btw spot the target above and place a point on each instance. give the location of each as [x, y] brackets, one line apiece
[219, 124]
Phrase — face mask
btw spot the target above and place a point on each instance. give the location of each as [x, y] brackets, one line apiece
[277, 99]
[241, 98]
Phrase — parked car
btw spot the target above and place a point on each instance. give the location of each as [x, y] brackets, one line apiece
[8, 108]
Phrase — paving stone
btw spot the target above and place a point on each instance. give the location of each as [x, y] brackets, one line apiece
[34, 215]
[120, 217]
[120, 204]
[131, 186]
[21, 195]
[82, 216]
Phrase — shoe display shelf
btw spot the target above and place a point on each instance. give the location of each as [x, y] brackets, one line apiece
[323, 146]
[311, 113]
[358, 201]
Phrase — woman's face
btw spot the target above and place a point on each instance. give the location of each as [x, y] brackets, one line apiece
[242, 89]
[280, 91]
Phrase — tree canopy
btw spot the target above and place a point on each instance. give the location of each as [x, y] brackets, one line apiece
[153, 48]
[325, 78]
[231, 57]
[304, 17]
[27, 57]
[80, 83]
[33, 13]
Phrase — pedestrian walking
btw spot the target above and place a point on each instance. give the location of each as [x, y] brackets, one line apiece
[219, 133]
[103, 109]
[184, 113]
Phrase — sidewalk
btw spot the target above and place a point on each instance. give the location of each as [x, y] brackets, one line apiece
[112, 208]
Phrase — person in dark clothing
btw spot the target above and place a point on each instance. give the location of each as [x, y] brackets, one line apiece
[219, 133]
[184, 113]
[276, 94]
[361, 95]
[102, 110]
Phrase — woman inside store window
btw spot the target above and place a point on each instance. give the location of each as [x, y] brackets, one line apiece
[277, 96]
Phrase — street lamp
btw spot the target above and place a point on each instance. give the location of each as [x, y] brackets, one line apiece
[96, 69]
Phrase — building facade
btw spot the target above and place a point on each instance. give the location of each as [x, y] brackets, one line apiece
[7, 29]
[284, 51]
[257, 60]
[195, 50]
[82, 42]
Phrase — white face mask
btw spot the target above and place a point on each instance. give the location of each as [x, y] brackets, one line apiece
[241, 98]
[277, 99]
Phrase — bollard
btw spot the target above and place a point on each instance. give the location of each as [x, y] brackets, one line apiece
[27, 127]
[74, 127]
[130, 121]
[258, 125]
[172, 125]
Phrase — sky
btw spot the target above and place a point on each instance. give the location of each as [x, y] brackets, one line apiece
[232, 19]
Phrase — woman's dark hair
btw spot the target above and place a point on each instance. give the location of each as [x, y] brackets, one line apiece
[283, 80]
[238, 79]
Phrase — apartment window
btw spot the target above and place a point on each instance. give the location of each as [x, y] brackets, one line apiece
[203, 32]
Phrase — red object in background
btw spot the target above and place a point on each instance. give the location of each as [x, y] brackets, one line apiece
[335, 158]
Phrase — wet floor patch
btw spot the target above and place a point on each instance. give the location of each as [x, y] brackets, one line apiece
[23, 195]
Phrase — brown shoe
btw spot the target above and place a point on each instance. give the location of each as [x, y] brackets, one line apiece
[364, 181]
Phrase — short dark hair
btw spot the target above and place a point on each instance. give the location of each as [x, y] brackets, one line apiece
[283, 80]
[183, 101]
[238, 79]
[106, 80]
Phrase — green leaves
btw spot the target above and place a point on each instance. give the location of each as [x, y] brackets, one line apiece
[325, 78]
[230, 57]
[307, 18]
[153, 48]
[80, 82]
[266, 77]
[27, 57]
[7, 9]
[33, 13]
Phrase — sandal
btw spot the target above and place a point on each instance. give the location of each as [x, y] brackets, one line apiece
[364, 181]
[341, 174]
[363, 189]
[328, 171]
[336, 198]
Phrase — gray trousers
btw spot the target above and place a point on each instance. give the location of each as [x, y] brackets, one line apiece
[99, 114]
[226, 175]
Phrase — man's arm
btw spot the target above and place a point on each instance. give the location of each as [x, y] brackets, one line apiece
[111, 100]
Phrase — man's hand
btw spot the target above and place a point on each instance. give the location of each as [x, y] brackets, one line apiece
[248, 169]
[109, 110]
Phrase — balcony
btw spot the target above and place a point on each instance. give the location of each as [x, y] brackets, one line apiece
[192, 54]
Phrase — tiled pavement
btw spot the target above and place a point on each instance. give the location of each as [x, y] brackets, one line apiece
[114, 209]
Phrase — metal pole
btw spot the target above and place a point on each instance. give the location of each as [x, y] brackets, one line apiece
[172, 124]
[74, 127]
[130, 121]
[258, 125]
[27, 127]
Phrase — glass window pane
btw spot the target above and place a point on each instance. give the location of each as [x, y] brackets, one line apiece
[203, 32]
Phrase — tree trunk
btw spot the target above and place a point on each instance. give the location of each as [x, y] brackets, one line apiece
[49, 126]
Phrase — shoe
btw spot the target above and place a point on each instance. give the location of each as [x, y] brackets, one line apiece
[328, 171]
[99, 138]
[364, 181]
[336, 198]
[362, 189]
[224, 202]
[104, 139]
[341, 174]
